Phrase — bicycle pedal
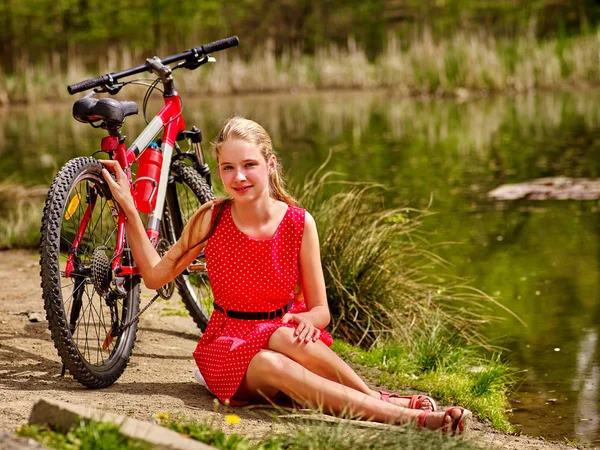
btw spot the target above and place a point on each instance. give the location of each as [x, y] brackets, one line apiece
[108, 339]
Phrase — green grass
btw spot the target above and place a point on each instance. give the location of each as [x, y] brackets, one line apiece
[315, 435]
[310, 434]
[87, 435]
[453, 374]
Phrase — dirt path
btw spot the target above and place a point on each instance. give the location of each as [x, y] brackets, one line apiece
[157, 380]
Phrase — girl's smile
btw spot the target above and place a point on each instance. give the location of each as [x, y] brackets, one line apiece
[242, 190]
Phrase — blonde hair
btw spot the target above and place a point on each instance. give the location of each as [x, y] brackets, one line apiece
[236, 128]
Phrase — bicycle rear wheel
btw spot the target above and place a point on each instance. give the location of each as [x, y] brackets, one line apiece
[77, 245]
[184, 196]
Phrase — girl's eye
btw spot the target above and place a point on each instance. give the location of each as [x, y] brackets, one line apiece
[250, 164]
[226, 167]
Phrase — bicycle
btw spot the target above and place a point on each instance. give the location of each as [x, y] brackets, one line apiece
[90, 283]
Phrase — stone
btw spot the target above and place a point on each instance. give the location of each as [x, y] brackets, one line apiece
[63, 416]
[553, 188]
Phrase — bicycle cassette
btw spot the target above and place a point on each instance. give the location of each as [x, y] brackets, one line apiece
[101, 271]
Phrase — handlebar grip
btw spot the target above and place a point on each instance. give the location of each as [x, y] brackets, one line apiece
[216, 46]
[88, 84]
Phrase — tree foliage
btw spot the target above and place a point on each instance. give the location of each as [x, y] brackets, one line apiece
[30, 28]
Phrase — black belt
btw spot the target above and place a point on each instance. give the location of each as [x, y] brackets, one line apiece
[252, 315]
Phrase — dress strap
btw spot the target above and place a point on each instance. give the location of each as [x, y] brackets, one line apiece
[217, 212]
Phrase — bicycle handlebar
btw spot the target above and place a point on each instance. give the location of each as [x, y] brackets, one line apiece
[217, 46]
[205, 49]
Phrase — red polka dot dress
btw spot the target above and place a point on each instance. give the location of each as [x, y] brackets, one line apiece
[250, 275]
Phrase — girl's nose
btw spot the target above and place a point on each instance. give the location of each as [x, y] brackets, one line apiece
[239, 175]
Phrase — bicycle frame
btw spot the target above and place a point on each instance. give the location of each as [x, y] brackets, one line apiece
[169, 118]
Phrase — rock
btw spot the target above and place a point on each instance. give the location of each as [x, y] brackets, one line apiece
[35, 317]
[9, 441]
[556, 188]
[62, 416]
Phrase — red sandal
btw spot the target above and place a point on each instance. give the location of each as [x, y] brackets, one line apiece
[456, 426]
[414, 401]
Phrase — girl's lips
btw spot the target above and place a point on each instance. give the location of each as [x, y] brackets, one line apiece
[242, 190]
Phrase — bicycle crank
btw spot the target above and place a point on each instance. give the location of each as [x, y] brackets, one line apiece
[168, 289]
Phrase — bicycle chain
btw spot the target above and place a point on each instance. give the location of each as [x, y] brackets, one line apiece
[137, 316]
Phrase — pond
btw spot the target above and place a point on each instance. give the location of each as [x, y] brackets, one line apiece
[540, 259]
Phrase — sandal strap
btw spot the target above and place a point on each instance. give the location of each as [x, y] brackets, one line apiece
[421, 419]
[414, 401]
[417, 400]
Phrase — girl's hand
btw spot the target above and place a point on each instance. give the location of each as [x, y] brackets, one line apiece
[119, 186]
[305, 330]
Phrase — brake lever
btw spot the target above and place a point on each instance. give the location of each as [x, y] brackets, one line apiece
[193, 62]
[113, 89]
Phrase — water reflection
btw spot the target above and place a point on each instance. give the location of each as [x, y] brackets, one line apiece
[475, 134]
[586, 382]
[540, 259]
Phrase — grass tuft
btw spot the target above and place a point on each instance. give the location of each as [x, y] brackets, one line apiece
[206, 432]
[87, 435]
[383, 278]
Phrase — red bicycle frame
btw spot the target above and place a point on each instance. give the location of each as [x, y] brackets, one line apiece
[168, 118]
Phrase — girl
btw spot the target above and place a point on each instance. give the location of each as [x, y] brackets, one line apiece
[262, 340]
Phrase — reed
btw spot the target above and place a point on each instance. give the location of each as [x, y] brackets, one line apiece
[22, 215]
[460, 65]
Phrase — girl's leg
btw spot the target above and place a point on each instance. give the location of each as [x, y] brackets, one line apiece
[270, 372]
[323, 361]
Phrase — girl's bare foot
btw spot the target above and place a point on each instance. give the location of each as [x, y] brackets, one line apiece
[454, 420]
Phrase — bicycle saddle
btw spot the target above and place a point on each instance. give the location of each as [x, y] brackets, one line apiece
[109, 110]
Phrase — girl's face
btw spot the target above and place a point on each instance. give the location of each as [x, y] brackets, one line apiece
[244, 171]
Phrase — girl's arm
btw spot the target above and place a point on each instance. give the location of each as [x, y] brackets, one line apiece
[313, 286]
[155, 271]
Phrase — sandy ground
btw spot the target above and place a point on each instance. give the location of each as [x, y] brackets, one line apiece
[157, 380]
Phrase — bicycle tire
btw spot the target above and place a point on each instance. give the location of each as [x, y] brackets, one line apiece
[184, 196]
[76, 311]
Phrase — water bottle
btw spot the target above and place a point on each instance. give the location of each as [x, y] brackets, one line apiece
[145, 188]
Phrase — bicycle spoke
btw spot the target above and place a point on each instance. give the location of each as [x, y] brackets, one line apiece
[84, 327]
[96, 322]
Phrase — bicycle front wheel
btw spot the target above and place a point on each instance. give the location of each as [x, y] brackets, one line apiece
[184, 196]
[77, 245]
